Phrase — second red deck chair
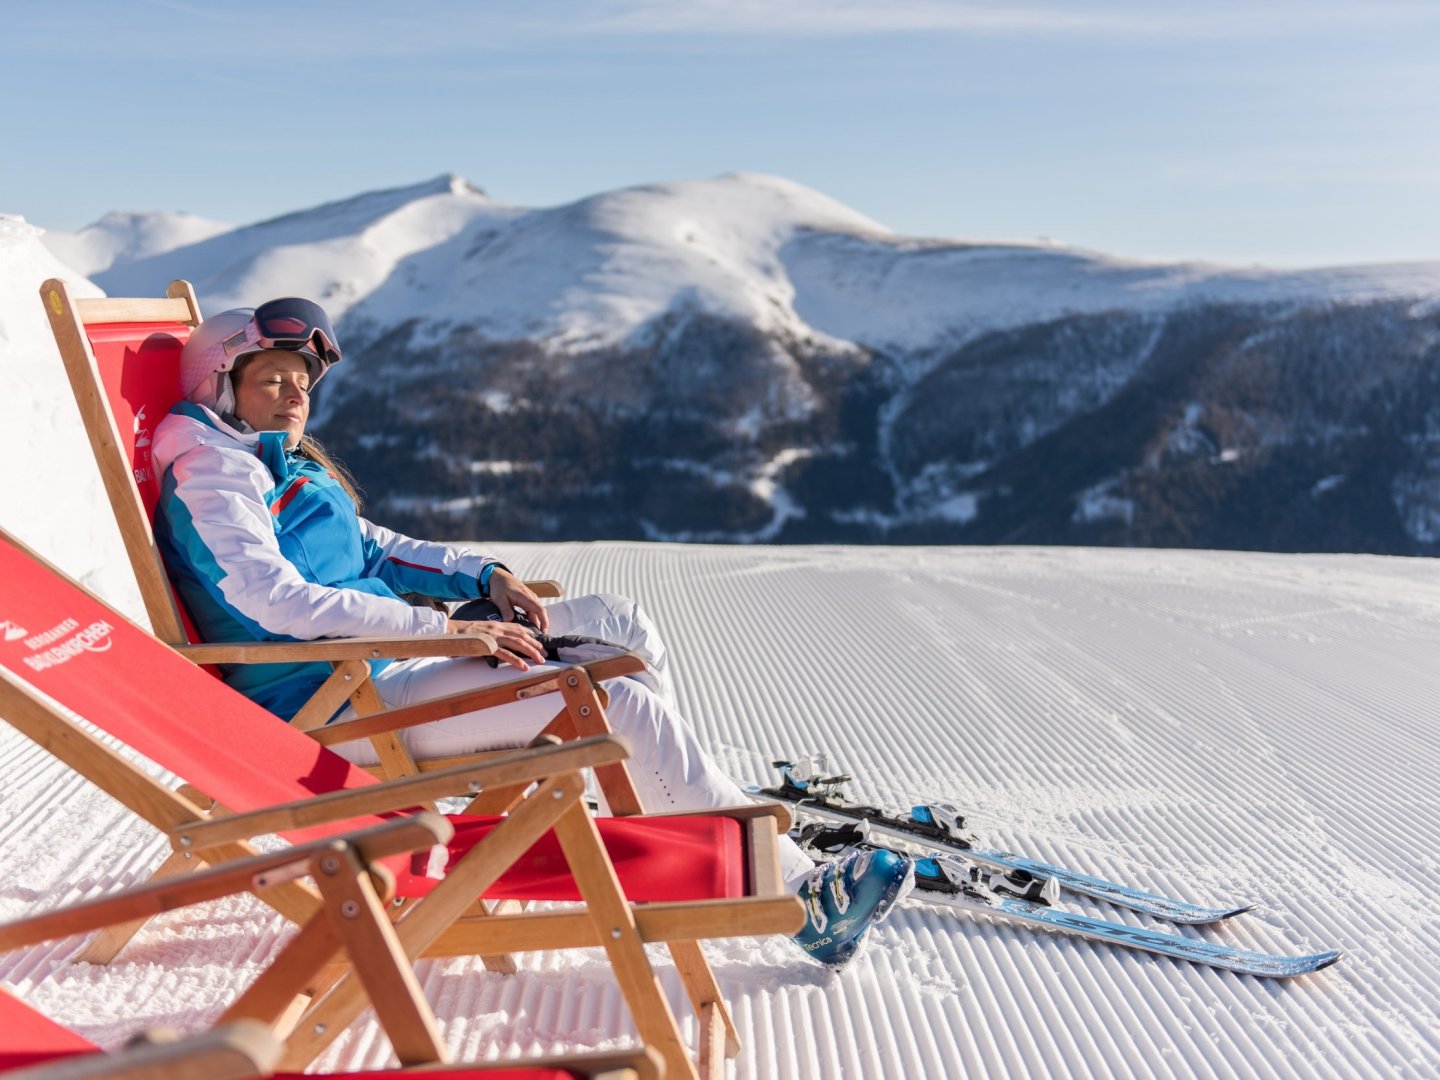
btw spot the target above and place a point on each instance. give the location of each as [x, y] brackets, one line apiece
[672, 878]
[122, 357]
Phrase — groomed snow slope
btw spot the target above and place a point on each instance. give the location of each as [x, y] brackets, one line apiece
[1220, 726]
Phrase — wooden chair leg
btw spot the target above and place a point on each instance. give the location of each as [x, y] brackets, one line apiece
[713, 1044]
[106, 945]
[390, 748]
[396, 761]
[612, 914]
[421, 925]
[296, 972]
[332, 694]
[495, 963]
[717, 1029]
[582, 702]
[358, 913]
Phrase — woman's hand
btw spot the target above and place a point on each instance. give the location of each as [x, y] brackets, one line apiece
[509, 592]
[514, 644]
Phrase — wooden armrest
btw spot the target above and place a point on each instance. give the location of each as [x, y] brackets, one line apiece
[241, 1048]
[367, 648]
[421, 830]
[520, 767]
[545, 681]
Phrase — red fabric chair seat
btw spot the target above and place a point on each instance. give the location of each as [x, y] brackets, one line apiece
[657, 859]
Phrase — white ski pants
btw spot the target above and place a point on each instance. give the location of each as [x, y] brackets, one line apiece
[670, 769]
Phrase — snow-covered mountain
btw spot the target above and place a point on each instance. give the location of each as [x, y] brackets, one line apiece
[750, 247]
[745, 358]
[123, 237]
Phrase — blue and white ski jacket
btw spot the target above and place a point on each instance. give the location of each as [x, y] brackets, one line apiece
[265, 545]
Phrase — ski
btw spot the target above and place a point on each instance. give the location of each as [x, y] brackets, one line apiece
[1264, 965]
[942, 827]
[957, 882]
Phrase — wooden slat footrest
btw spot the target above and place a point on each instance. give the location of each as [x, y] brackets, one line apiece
[692, 920]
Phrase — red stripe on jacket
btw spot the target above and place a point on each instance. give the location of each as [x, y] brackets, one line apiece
[284, 500]
[414, 566]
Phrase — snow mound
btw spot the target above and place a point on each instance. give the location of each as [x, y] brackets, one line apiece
[51, 496]
[124, 237]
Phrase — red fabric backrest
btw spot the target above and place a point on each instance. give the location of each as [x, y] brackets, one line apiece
[28, 1037]
[65, 643]
[140, 368]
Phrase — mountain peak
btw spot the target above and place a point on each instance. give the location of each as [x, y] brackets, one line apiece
[446, 184]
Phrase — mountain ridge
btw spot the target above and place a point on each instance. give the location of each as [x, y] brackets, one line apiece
[744, 358]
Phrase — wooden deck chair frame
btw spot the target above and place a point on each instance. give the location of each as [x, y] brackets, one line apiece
[582, 710]
[354, 884]
[69, 319]
[443, 923]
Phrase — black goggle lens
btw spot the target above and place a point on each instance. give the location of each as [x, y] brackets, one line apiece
[296, 323]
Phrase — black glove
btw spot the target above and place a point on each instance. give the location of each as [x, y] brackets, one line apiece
[487, 611]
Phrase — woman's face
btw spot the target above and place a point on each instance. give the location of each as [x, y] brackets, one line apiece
[272, 393]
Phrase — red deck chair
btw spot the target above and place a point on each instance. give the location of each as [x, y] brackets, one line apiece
[699, 876]
[122, 356]
[349, 872]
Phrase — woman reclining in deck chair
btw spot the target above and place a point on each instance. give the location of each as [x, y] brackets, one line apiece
[263, 538]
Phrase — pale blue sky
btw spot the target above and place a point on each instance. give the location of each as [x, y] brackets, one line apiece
[1286, 132]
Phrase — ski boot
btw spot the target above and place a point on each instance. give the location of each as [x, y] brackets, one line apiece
[844, 898]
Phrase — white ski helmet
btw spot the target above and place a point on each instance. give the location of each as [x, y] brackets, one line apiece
[224, 339]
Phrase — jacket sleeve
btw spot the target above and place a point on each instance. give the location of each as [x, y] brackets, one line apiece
[420, 566]
[231, 541]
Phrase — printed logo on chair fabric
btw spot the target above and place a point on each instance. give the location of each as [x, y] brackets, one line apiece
[61, 643]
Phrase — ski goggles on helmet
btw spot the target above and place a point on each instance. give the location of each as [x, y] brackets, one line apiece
[291, 323]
